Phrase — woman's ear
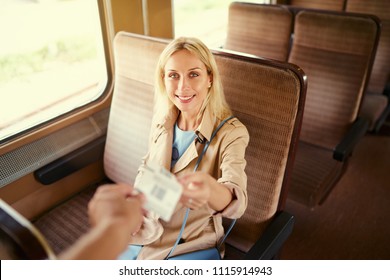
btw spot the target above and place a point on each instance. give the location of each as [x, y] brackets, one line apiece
[210, 80]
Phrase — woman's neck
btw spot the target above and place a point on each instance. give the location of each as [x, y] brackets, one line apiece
[187, 122]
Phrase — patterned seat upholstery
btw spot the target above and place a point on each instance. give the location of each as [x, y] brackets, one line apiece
[250, 31]
[132, 105]
[331, 5]
[336, 51]
[268, 97]
[376, 105]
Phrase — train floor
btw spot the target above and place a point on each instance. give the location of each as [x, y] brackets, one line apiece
[354, 221]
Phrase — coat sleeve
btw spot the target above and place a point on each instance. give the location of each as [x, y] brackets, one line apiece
[232, 169]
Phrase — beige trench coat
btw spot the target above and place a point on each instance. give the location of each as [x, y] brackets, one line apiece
[224, 160]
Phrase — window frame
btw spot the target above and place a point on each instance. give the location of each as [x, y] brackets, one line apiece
[84, 111]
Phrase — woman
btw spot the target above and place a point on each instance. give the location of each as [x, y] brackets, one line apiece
[189, 106]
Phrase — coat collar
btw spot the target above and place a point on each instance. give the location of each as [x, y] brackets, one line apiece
[203, 133]
[204, 130]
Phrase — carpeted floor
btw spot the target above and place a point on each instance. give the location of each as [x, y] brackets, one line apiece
[354, 222]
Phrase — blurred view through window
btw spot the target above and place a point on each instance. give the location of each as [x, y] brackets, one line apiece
[205, 19]
[51, 60]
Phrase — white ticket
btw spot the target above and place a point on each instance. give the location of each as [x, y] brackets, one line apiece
[162, 190]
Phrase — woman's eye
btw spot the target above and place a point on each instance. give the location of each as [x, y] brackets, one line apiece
[194, 74]
[173, 75]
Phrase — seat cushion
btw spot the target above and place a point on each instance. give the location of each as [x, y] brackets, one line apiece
[314, 174]
[65, 224]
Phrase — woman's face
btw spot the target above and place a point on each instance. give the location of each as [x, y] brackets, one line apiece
[186, 81]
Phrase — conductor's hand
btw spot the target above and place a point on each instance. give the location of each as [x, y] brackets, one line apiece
[114, 213]
[116, 204]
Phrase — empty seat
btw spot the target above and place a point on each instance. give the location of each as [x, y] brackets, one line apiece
[336, 51]
[376, 105]
[262, 30]
[334, 5]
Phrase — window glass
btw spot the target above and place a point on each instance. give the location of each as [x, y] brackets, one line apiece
[206, 19]
[51, 60]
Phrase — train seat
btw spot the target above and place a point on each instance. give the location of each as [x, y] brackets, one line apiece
[132, 105]
[332, 5]
[270, 106]
[268, 97]
[249, 30]
[376, 105]
[336, 51]
[126, 140]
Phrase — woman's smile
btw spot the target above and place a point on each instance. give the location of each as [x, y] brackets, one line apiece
[185, 99]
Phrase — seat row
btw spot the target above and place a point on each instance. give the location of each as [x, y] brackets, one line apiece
[376, 106]
[336, 50]
[274, 41]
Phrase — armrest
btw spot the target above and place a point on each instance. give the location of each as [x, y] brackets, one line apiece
[344, 149]
[386, 91]
[270, 243]
[71, 162]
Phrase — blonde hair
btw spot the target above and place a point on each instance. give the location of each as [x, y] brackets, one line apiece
[215, 97]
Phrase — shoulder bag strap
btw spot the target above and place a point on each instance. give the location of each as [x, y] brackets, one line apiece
[188, 209]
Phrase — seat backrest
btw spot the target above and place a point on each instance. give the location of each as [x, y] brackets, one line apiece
[268, 97]
[380, 74]
[336, 51]
[131, 111]
[332, 5]
[262, 30]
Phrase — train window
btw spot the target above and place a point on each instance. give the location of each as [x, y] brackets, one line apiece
[51, 60]
[206, 19]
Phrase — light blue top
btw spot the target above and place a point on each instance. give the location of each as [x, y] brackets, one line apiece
[181, 141]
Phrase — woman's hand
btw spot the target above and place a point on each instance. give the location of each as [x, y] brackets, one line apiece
[196, 189]
[200, 188]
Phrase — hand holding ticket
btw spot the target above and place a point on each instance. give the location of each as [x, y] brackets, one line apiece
[161, 189]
